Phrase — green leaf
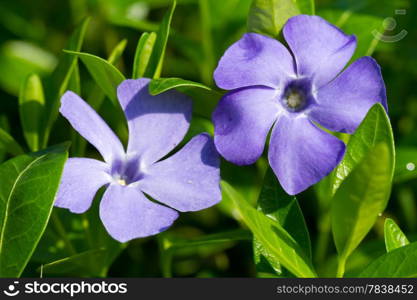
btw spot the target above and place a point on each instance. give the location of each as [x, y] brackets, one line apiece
[18, 59]
[59, 80]
[373, 130]
[394, 237]
[117, 52]
[285, 211]
[157, 58]
[31, 109]
[275, 239]
[28, 186]
[107, 76]
[161, 85]
[143, 54]
[8, 143]
[401, 262]
[362, 196]
[306, 7]
[406, 162]
[269, 16]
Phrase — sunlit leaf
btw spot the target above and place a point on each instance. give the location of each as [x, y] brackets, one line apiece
[275, 239]
[107, 76]
[285, 210]
[362, 196]
[394, 237]
[28, 186]
[373, 130]
[143, 54]
[269, 16]
[31, 109]
[157, 58]
[401, 262]
[161, 85]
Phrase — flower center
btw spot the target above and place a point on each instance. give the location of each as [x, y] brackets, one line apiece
[297, 95]
[125, 172]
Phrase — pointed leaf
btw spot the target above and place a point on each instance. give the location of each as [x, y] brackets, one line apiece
[285, 210]
[143, 54]
[31, 109]
[374, 129]
[157, 58]
[161, 85]
[28, 186]
[401, 262]
[394, 237]
[272, 236]
[107, 76]
[362, 196]
[269, 16]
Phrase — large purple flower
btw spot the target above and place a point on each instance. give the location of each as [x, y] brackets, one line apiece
[290, 92]
[185, 181]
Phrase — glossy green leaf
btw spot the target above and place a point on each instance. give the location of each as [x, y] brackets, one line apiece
[401, 262]
[285, 210]
[28, 186]
[157, 58]
[107, 76]
[394, 237]
[143, 54]
[362, 196]
[9, 144]
[269, 16]
[161, 85]
[275, 239]
[59, 80]
[31, 109]
[406, 164]
[306, 7]
[374, 129]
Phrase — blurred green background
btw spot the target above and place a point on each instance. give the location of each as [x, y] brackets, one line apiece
[33, 34]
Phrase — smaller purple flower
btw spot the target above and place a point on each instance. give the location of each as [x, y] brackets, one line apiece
[292, 93]
[186, 181]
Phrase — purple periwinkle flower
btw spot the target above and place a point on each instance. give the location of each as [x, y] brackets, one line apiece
[186, 181]
[292, 92]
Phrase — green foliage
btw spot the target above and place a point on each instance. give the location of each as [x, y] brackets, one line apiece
[107, 76]
[27, 192]
[286, 212]
[156, 60]
[401, 262]
[278, 244]
[394, 237]
[143, 53]
[161, 85]
[269, 16]
[31, 108]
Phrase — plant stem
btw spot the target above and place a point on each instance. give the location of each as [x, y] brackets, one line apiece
[341, 267]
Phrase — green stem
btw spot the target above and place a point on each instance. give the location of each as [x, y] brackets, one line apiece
[341, 267]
